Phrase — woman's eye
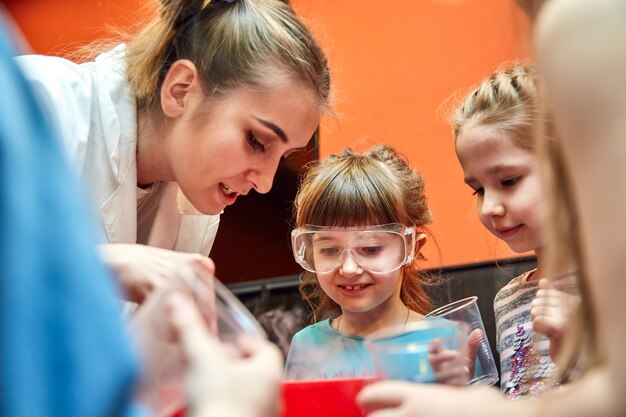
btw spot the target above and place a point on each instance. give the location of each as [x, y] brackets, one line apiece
[509, 182]
[254, 142]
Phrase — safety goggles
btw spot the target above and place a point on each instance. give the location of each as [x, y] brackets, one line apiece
[378, 249]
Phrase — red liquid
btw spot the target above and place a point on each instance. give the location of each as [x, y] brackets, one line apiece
[324, 397]
[320, 398]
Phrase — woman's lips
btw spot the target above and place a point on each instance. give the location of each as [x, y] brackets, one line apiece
[228, 196]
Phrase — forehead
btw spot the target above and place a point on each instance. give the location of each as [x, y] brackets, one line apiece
[481, 148]
[290, 105]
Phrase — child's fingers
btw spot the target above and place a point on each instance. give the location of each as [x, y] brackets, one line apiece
[548, 325]
[548, 295]
[474, 340]
[435, 346]
[553, 314]
[449, 367]
[473, 343]
[545, 284]
[455, 375]
[441, 357]
[546, 310]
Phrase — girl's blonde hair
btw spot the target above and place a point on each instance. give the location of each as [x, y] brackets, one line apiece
[232, 43]
[372, 188]
[506, 101]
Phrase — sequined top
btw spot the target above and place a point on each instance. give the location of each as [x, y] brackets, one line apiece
[525, 362]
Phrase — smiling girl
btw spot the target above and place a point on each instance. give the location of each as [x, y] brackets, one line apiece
[360, 222]
[494, 144]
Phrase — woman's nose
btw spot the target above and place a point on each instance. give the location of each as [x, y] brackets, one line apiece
[262, 177]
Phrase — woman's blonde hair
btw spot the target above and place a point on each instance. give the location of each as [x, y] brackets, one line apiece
[353, 189]
[232, 43]
[506, 101]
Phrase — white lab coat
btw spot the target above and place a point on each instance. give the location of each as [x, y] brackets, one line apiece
[95, 113]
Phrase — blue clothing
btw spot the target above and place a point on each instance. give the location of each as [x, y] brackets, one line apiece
[63, 351]
[320, 352]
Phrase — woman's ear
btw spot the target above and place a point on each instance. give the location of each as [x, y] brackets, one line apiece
[179, 82]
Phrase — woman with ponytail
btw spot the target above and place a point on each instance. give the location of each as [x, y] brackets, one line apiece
[167, 130]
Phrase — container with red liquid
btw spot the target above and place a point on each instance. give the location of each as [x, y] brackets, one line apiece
[320, 398]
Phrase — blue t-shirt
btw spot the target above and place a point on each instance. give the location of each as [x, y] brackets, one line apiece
[63, 350]
[321, 352]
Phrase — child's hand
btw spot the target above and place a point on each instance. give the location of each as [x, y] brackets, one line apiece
[456, 367]
[219, 382]
[453, 367]
[550, 312]
[449, 366]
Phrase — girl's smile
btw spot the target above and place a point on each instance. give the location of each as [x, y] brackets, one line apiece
[507, 183]
[508, 231]
[354, 289]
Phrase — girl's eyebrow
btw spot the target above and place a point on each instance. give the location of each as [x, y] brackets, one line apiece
[494, 170]
[503, 167]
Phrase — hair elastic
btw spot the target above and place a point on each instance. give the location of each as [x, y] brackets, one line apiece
[206, 3]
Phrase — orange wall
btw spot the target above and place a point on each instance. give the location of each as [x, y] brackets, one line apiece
[394, 63]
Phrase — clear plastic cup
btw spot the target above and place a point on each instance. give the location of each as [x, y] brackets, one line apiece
[484, 370]
[409, 352]
[162, 388]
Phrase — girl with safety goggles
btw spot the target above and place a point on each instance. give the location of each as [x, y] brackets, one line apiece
[360, 223]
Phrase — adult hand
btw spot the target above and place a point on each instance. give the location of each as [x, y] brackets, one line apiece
[220, 382]
[142, 269]
[551, 310]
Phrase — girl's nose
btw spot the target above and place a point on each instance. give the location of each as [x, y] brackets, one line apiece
[349, 266]
[491, 205]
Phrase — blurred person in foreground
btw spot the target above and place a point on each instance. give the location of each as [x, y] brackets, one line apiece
[63, 351]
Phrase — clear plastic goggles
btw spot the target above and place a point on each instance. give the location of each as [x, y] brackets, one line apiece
[378, 249]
